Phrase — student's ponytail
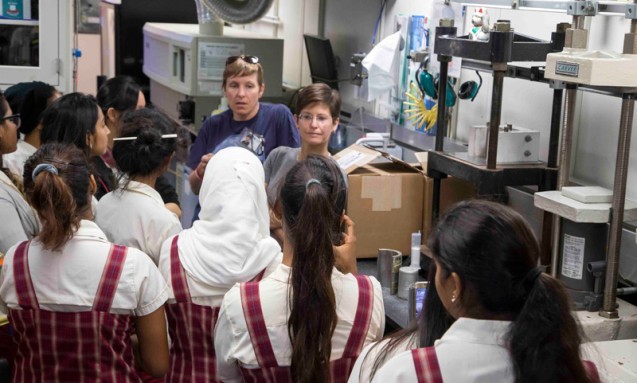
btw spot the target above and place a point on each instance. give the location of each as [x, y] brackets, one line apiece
[57, 186]
[313, 198]
[545, 338]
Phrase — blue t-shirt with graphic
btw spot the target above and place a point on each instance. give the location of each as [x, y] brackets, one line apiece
[273, 121]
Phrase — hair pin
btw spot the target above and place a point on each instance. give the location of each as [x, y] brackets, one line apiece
[172, 135]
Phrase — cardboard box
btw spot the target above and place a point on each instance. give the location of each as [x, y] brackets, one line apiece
[385, 200]
[452, 190]
[390, 200]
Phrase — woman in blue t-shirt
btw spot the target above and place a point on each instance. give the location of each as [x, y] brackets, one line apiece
[260, 127]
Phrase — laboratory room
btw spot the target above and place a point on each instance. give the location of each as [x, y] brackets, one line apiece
[318, 191]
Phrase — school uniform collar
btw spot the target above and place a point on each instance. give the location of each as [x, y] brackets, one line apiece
[89, 229]
[142, 188]
[4, 178]
[26, 147]
[467, 330]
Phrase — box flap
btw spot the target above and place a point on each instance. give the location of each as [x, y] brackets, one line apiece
[422, 158]
[355, 156]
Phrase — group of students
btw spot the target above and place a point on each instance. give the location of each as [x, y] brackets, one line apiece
[263, 286]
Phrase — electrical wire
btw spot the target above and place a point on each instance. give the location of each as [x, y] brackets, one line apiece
[380, 15]
[76, 45]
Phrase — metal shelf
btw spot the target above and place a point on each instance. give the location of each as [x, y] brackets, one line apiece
[490, 182]
[536, 73]
[604, 8]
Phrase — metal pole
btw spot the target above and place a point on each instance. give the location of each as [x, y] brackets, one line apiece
[496, 110]
[441, 124]
[554, 135]
[617, 213]
[554, 140]
[563, 173]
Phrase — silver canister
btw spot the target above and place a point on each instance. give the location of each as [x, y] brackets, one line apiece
[388, 264]
[407, 276]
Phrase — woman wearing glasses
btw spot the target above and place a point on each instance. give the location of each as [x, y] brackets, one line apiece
[35, 101]
[19, 221]
[318, 107]
[256, 125]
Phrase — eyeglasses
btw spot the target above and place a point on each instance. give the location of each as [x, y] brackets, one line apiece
[320, 119]
[248, 59]
[15, 118]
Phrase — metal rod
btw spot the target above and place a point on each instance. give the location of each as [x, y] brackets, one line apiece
[554, 136]
[626, 290]
[441, 122]
[617, 213]
[494, 122]
[440, 130]
[563, 172]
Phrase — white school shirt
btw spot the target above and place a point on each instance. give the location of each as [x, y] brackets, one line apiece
[67, 280]
[363, 366]
[14, 161]
[232, 339]
[471, 350]
[203, 294]
[136, 216]
[18, 220]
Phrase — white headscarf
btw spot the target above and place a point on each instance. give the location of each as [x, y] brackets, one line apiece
[231, 241]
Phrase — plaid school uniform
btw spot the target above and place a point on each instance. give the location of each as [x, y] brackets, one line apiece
[426, 364]
[192, 328]
[87, 346]
[269, 370]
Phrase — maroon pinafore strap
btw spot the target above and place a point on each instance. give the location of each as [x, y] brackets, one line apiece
[426, 364]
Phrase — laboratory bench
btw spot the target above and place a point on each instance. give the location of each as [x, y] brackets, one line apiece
[396, 309]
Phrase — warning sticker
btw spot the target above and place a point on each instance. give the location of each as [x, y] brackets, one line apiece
[573, 256]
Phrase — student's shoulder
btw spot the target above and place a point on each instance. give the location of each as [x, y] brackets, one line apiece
[280, 152]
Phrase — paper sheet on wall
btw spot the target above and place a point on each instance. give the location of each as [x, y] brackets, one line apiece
[456, 62]
[212, 59]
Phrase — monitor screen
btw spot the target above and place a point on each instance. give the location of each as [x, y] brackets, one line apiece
[321, 60]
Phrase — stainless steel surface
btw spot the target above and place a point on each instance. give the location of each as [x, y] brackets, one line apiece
[421, 142]
[617, 216]
[605, 8]
[389, 262]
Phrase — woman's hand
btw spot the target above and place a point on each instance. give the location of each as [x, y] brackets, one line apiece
[196, 176]
[345, 254]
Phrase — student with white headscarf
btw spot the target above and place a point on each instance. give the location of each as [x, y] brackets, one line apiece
[230, 243]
